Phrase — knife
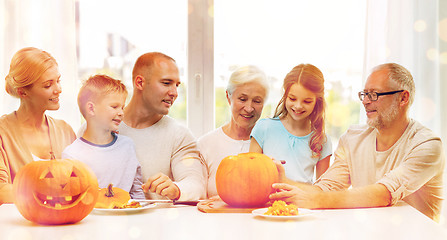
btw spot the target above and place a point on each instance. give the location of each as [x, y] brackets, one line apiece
[174, 202]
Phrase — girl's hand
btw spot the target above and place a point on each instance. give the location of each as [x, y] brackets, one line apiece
[281, 171]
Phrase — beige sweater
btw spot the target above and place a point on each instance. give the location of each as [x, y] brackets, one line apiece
[412, 169]
[14, 153]
[170, 148]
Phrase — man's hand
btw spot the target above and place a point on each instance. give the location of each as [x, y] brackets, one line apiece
[306, 197]
[162, 185]
[311, 196]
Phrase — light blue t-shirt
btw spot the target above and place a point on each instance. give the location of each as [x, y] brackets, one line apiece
[276, 142]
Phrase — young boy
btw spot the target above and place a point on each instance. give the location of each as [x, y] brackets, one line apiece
[111, 156]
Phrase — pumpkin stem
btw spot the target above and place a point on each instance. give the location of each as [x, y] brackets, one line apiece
[109, 192]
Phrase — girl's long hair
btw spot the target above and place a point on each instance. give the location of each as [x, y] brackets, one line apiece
[311, 78]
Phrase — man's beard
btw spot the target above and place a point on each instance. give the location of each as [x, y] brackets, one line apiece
[385, 118]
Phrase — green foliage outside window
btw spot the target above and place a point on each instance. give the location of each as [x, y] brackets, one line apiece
[340, 112]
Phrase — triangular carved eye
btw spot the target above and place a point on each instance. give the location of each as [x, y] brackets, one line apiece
[49, 175]
[73, 174]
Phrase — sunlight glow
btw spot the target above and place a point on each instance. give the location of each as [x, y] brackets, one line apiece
[443, 29]
[420, 26]
[432, 54]
[443, 58]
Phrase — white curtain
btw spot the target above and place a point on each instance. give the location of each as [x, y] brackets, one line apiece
[413, 34]
[49, 25]
[406, 32]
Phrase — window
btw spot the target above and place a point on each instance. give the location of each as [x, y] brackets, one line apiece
[278, 35]
[113, 34]
[209, 41]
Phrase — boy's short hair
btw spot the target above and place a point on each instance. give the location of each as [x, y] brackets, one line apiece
[95, 87]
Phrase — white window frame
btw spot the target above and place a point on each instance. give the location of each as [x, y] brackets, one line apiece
[200, 97]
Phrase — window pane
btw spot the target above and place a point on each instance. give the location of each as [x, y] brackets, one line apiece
[278, 35]
[112, 34]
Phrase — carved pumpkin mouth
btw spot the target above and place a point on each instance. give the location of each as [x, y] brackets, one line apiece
[59, 203]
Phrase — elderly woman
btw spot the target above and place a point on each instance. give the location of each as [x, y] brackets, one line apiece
[28, 134]
[246, 92]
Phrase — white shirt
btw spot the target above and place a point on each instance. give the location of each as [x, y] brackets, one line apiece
[215, 146]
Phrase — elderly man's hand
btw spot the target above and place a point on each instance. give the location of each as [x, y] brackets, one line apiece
[162, 185]
[304, 197]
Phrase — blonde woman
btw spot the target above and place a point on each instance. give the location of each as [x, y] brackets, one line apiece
[28, 134]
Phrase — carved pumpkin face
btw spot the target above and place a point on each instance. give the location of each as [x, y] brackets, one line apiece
[55, 192]
[245, 180]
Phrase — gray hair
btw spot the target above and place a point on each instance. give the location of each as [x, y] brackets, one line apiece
[401, 76]
[247, 74]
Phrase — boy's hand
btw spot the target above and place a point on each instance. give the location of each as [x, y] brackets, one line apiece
[162, 185]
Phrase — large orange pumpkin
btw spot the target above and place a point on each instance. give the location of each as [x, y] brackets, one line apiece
[245, 180]
[111, 197]
[57, 191]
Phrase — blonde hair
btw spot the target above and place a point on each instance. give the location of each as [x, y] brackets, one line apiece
[311, 78]
[27, 66]
[95, 86]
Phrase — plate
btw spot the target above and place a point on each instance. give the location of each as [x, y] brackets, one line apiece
[124, 210]
[302, 212]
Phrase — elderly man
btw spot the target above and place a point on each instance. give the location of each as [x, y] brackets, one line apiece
[391, 158]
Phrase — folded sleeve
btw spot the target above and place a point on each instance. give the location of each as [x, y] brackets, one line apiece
[258, 132]
[327, 148]
[424, 161]
[188, 168]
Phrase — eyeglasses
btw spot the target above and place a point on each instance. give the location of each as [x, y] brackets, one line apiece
[373, 96]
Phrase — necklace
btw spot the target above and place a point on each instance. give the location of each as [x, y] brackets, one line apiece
[48, 132]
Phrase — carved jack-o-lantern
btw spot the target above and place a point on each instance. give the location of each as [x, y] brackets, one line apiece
[58, 191]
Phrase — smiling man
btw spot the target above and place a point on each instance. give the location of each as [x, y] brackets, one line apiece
[392, 158]
[167, 151]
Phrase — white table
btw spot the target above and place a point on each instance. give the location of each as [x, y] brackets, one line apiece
[186, 222]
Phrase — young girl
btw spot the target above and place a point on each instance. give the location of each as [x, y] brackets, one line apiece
[296, 131]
